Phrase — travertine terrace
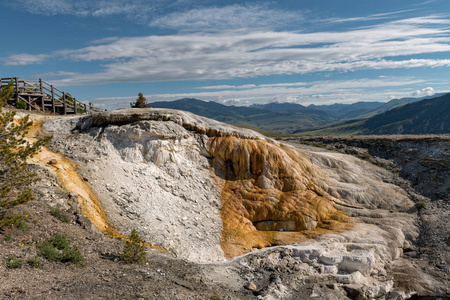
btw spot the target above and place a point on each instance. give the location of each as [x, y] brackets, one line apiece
[207, 192]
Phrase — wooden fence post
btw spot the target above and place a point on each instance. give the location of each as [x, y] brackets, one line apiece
[53, 99]
[42, 95]
[17, 90]
[64, 103]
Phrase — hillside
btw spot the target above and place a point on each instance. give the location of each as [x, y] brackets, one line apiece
[274, 117]
[394, 103]
[347, 111]
[292, 118]
[361, 110]
[286, 107]
[429, 116]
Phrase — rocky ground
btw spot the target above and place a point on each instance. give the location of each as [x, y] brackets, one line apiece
[393, 250]
[422, 160]
[421, 164]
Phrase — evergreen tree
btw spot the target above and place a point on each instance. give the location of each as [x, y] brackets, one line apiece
[7, 93]
[141, 102]
[135, 250]
[15, 179]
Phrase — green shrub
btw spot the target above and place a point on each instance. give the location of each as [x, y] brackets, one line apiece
[421, 205]
[47, 250]
[73, 255]
[17, 221]
[60, 241]
[13, 263]
[21, 104]
[8, 237]
[135, 251]
[35, 262]
[320, 145]
[59, 214]
[365, 156]
[58, 249]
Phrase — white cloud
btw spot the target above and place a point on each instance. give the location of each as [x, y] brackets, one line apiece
[137, 10]
[371, 17]
[234, 102]
[25, 59]
[428, 91]
[228, 17]
[245, 54]
[436, 19]
[323, 92]
[221, 87]
[187, 15]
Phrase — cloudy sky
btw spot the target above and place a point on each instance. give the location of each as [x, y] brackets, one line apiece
[232, 52]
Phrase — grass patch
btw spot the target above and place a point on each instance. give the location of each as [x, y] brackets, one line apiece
[59, 214]
[48, 251]
[18, 221]
[421, 205]
[72, 255]
[8, 237]
[365, 156]
[350, 127]
[35, 262]
[319, 145]
[13, 263]
[58, 249]
[60, 241]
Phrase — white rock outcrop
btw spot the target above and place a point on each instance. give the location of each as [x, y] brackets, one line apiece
[151, 170]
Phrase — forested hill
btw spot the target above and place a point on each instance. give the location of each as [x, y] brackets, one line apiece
[430, 116]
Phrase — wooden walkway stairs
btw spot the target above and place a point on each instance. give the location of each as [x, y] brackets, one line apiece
[40, 95]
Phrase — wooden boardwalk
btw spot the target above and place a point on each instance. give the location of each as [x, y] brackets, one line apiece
[40, 95]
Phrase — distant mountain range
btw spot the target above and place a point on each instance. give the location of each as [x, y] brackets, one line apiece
[406, 115]
[274, 117]
[429, 116]
[361, 110]
[348, 111]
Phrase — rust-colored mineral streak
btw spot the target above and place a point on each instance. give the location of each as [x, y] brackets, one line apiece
[268, 197]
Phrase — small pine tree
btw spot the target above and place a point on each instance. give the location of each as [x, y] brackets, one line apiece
[141, 102]
[15, 179]
[7, 93]
[135, 250]
[21, 104]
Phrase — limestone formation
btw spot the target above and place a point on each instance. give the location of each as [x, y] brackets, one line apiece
[206, 191]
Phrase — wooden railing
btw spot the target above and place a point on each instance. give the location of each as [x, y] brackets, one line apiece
[42, 96]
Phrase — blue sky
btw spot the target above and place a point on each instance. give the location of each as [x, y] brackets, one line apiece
[232, 52]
